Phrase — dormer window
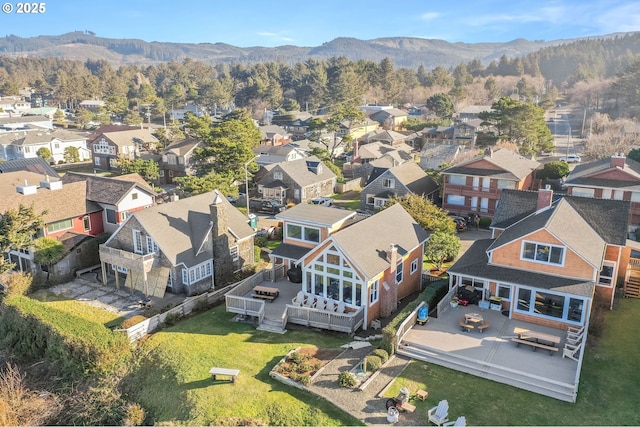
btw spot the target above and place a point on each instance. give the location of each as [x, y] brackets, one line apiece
[543, 252]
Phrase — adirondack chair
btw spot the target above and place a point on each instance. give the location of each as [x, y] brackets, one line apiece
[571, 351]
[309, 302]
[459, 422]
[573, 331]
[321, 303]
[341, 307]
[438, 415]
[575, 339]
[299, 299]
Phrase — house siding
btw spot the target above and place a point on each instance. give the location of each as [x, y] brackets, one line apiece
[376, 187]
[574, 266]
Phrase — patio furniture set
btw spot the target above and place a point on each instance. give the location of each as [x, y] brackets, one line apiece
[319, 303]
[471, 321]
[266, 293]
[536, 340]
[439, 415]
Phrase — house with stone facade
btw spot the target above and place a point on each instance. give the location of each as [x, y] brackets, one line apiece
[188, 246]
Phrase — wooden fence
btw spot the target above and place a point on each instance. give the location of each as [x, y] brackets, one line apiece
[351, 185]
[407, 324]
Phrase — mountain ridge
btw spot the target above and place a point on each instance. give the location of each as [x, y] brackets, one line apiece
[408, 52]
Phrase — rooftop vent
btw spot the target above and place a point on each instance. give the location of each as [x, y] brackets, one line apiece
[27, 189]
[51, 185]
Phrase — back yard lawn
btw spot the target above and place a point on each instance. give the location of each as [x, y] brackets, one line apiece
[174, 384]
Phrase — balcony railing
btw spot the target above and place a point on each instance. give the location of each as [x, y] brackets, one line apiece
[123, 258]
[342, 322]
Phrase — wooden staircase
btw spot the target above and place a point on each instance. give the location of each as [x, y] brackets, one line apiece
[632, 279]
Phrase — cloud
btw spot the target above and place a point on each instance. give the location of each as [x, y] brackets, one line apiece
[429, 16]
[276, 37]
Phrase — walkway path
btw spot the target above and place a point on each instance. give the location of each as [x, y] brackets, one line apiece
[366, 405]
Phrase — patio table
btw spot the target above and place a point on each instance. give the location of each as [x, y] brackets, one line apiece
[473, 318]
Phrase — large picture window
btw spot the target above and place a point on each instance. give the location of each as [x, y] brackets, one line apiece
[550, 305]
[307, 234]
[60, 225]
[542, 252]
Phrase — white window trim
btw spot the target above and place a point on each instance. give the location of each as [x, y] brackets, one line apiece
[152, 246]
[395, 273]
[414, 266]
[561, 264]
[374, 292]
[197, 273]
[234, 251]
[613, 278]
[389, 183]
[303, 231]
[138, 244]
[501, 285]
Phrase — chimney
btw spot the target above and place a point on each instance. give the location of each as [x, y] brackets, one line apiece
[618, 161]
[221, 240]
[355, 150]
[392, 255]
[545, 196]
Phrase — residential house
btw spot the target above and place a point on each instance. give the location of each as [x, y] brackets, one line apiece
[304, 227]
[298, 181]
[27, 144]
[471, 112]
[365, 153]
[371, 277]
[118, 197]
[390, 118]
[179, 113]
[474, 186]
[435, 156]
[407, 178]
[385, 136]
[92, 105]
[14, 104]
[295, 123]
[177, 159]
[108, 147]
[357, 129]
[25, 123]
[269, 154]
[611, 178]
[35, 164]
[548, 258]
[274, 135]
[67, 210]
[439, 135]
[187, 246]
[461, 133]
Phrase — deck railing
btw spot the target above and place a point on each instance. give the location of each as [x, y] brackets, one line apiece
[323, 319]
[445, 302]
[407, 324]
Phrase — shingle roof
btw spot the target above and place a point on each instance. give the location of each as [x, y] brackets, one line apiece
[128, 137]
[367, 241]
[182, 146]
[108, 190]
[474, 263]
[23, 119]
[563, 222]
[608, 218]
[107, 129]
[511, 166]
[583, 174]
[315, 214]
[179, 228]
[68, 202]
[377, 149]
[47, 136]
[298, 170]
[34, 164]
[415, 178]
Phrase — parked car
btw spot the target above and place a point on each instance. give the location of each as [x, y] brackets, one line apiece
[571, 159]
[265, 206]
[461, 223]
[323, 201]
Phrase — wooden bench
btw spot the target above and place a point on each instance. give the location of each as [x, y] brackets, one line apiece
[483, 326]
[465, 326]
[408, 407]
[87, 270]
[264, 296]
[534, 345]
[231, 373]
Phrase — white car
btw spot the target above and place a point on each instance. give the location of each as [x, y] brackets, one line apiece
[322, 201]
[571, 159]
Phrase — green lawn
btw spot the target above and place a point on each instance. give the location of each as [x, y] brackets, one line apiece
[174, 385]
[349, 200]
[607, 395]
[78, 308]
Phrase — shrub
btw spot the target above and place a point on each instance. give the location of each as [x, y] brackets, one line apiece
[202, 305]
[347, 379]
[304, 367]
[485, 222]
[261, 242]
[382, 354]
[172, 318]
[134, 415]
[298, 357]
[305, 380]
[373, 363]
[19, 284]
[131, 321]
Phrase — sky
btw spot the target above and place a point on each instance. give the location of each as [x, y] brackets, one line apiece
[246, 23]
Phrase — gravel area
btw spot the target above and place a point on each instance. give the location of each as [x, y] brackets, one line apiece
[366, 405]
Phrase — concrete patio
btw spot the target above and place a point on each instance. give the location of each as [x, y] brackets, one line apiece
[492, 354]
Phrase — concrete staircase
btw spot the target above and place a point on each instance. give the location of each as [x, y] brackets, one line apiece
[555, 389]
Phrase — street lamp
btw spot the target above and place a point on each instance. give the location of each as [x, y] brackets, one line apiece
[246, 182]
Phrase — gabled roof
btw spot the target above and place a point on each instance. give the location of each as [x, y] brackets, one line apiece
[109, 190]
[301, 172]
[586, 174]
[443, 151]
[387, 136]
[108, 129]
[269, 131]
[377, 149]
[395, 112]
[33, 164]
[563, 222]
[507, 165]
[48, 136]
[180, 228]
[130, 137]
[608, 218]
[23, 119]
[68, 202]
[315, 214]
[412, 176]
[474, 263]
[275, 150]
[182, 146]
[392, 225]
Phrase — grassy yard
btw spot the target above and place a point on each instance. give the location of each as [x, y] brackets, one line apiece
[174, 384]
[607, 395]
[78, 308]
[349, 200]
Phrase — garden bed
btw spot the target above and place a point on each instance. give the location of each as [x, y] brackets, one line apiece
[300, 366]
